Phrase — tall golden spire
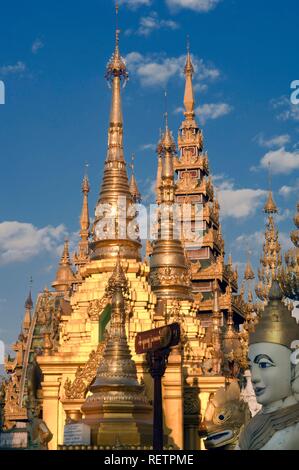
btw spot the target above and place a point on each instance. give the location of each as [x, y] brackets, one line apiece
[169, 272]
[64, 276]
[82, 256]
[189, 100]
[110, 230]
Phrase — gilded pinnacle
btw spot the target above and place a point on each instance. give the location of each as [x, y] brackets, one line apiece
[29, 303]
[248, 274]
[189, 101]
[64, 276]
[270, 206]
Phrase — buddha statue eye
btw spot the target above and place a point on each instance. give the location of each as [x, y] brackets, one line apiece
[265, 365]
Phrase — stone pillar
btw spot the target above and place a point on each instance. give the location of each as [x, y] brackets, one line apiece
[50, 387]
[173, 400]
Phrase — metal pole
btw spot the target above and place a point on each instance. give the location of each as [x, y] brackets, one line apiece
[157, 362]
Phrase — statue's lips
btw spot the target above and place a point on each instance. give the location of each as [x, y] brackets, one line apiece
[259, 391]
[218, 438]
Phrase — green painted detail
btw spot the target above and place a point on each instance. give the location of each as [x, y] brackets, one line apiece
[104, 320]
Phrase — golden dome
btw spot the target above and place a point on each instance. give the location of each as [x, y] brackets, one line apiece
[276, 324]
[270, 206]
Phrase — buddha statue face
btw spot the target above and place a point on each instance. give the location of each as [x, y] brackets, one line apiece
[271, 372]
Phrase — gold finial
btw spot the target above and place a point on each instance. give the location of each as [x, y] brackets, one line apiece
[116, 66]
[167, 140]
[189, 101]
[65, 259]
[133, 183]
[270, 206]
[28, 302]
[118, 278]
[249, 273]
[64, 276]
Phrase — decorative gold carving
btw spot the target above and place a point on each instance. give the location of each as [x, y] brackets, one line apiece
[84, 375]
[96, 307]
[167, 275]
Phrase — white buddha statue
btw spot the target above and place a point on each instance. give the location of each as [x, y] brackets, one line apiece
[274, 360]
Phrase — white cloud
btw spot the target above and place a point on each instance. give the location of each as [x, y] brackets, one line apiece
[149, 193]
[238, 203]
[19, 67]
[148, 147]
[281, 161]
[36, 46]
[212, 111]
[152, 22]
[286, 191]
[286, 111]
[157, 70]
[201, 6]
[21, 241]
[273, 142]
[285, 215]
[134, 4]
[256, 240]
[253, 240]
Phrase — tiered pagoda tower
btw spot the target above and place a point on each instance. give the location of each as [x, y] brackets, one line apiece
[194, 186]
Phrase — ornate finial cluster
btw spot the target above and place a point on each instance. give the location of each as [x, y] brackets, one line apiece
[271, 258]
[289, 275]
[116, 67]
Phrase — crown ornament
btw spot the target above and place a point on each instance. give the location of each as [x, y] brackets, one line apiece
[276, 324]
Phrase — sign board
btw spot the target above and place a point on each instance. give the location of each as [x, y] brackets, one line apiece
[14, 440]
[76, 434]
[159, 338]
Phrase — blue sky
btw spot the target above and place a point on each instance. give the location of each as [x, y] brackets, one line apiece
[52, 61]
